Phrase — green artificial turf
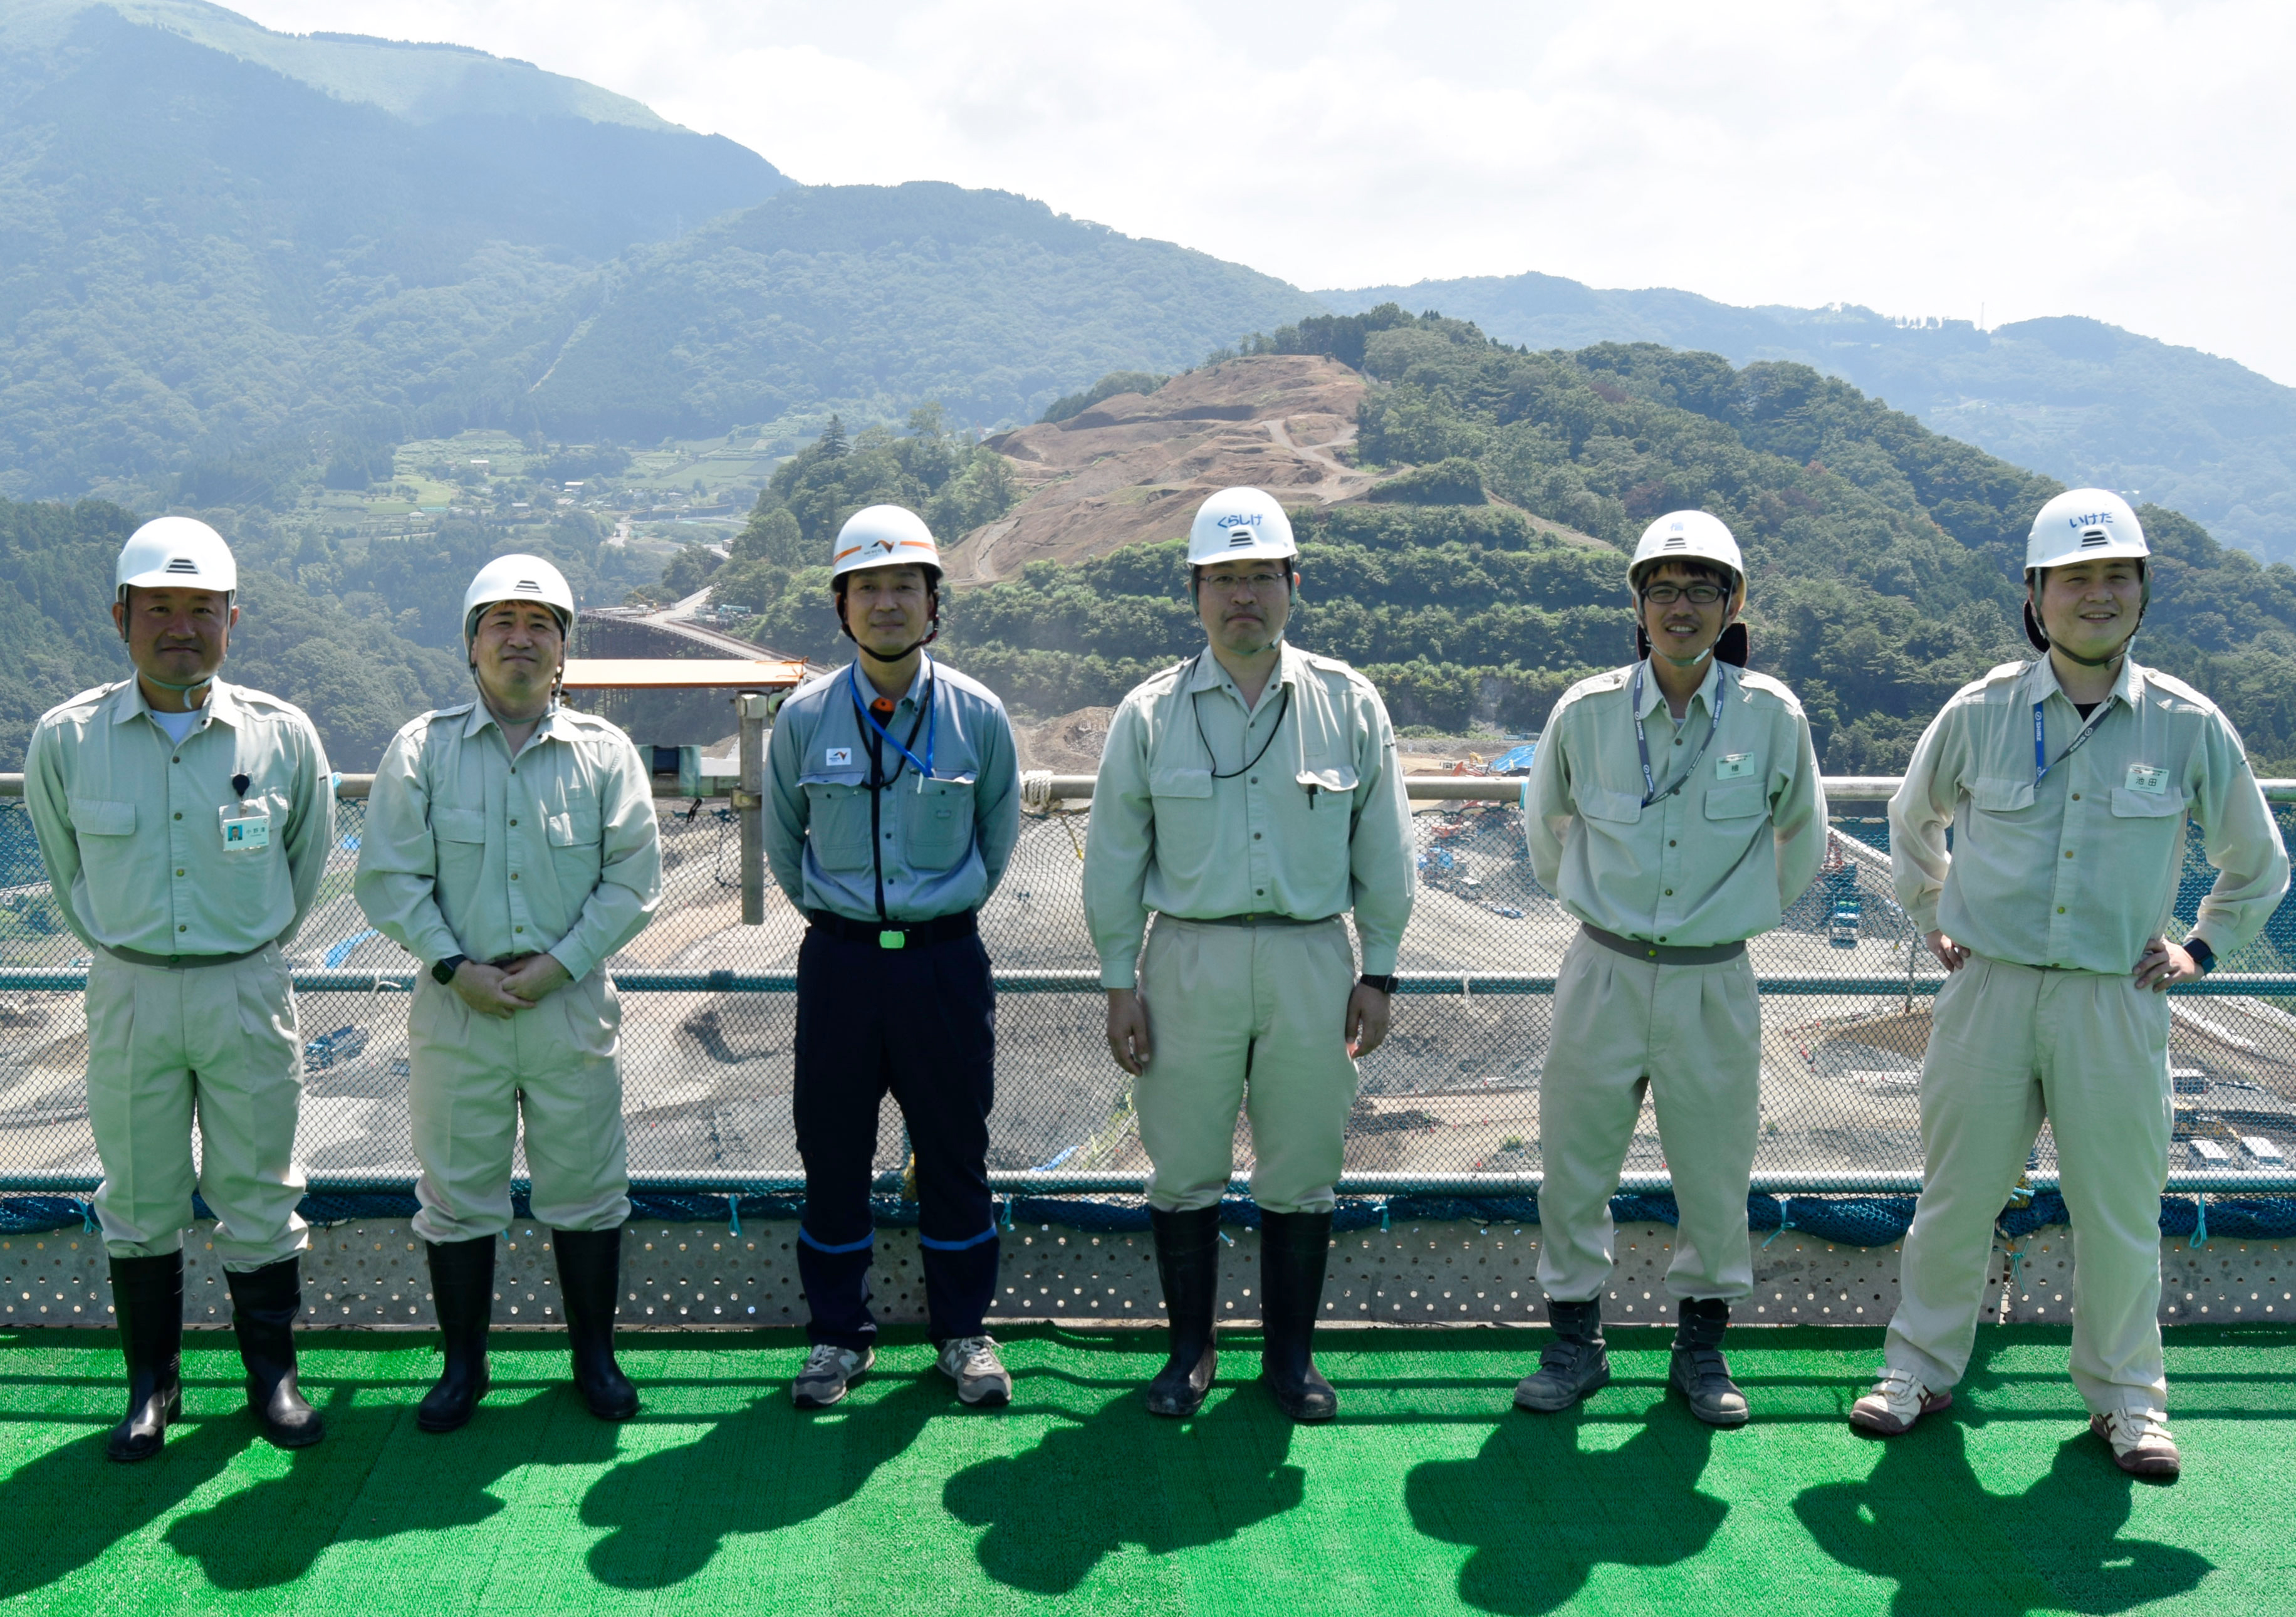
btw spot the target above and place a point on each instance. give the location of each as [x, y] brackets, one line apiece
[1429, 1494]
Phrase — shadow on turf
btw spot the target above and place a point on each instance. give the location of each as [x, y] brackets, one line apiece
[375, 1477]
[1052, 1515]
[769, 1466]
[1925, 1521]
[1542, 1513]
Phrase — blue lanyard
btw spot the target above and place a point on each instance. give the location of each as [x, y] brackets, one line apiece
[1651, 793]
[2041, 764]
[932, 729]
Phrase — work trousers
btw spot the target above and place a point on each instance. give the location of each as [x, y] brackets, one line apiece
[469, 1080]
[217, 1043]
[1691, 1037]
[1251, 1018]
[2009, 1045]
[920, 1023]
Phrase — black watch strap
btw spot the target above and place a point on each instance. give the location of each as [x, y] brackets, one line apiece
[2202, 955]
[444, 972]
[1385, 985]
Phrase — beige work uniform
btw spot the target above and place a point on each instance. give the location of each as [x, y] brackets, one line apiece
[1290, 808]
[2056, 888]
[470, 851]
[1703, 866]
[167, 870]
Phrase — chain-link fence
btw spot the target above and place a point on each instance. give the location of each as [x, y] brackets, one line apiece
[1451, 1102]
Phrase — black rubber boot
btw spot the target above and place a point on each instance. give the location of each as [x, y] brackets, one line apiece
[1187, 1261]
[1293, 1248]
[590, 1281]
[147, 1297]
[1698, 1368]
[264, 1304]
[462, 1290]
[1573, 1365]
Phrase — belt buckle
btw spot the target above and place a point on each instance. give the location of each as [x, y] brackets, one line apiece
[893, 937]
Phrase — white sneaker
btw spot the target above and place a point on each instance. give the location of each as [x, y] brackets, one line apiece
[1897, 1401]
[828, 1370]
[2143, 1446]
[981, 1377]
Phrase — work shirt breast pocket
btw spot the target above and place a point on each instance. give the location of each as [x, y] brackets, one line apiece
[105, 831]
[1187, 826]
[1329, 795]
[460, 837]
[2145, 826]
[937, 822]
[575, 854]
[837, 818]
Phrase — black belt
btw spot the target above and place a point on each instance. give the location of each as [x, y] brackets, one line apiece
[1636, 948]
[180, 962]
[897, 934]
[1258, 918]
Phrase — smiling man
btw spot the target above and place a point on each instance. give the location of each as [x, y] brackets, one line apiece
[1673, 808]
[1248, 799]
[2067, 783]
[185, 824]
[511, 847]
[893, 804]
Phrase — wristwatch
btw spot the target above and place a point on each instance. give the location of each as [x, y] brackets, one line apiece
[1385, 985]
[444, 972]
[2202, 955]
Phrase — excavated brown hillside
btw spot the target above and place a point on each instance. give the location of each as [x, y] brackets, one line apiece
[1134, 467]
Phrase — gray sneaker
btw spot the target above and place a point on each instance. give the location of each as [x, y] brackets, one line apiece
[1703, 1376]
[981, 1379]
[1567, 1371]
[828, 1370]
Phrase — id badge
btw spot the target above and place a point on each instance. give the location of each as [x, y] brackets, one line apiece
[1730, 765]
[2149, 779]
[244, 828]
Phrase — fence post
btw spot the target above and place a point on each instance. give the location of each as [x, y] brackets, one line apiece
[755, 708]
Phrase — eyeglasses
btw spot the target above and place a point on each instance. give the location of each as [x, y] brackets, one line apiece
[1699, 595]
[1259, 583]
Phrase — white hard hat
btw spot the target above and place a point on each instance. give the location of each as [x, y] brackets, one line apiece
[1687, 536]
[180, 551]
[2084, 525]
[1240, 525]
[517, 579]
[882, 536]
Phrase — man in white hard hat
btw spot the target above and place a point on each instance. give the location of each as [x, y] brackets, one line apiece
[2067, 783]
[1673, 808]
[1248, 799]
[893, 805]
[511, 848]
[185, 824]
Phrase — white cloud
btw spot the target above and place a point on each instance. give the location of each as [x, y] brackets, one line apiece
[2098, 157]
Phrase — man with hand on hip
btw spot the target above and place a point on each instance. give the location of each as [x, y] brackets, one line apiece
[893, 805]
[2067, 783]
[1673, 808]
[511, 847]
[185, 825]
[1248, 799]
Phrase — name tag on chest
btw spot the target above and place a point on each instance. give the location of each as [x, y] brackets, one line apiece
[1731, 766]
[2152, 781]
[838, 757]
[244, 828]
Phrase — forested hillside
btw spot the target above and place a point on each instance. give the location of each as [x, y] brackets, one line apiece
[869, 299]
[203, 258]
[2075, 399]
[1885, 557]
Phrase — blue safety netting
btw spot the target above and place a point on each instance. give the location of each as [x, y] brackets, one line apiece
[1843, 1221]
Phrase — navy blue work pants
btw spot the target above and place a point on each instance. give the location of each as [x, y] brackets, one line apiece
[920, 1023]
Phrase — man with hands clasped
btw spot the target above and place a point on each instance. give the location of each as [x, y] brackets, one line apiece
[511, 847]
[2067, 783]
[1248, 799]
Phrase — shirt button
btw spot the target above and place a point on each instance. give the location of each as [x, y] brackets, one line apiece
[513, 875]
[183, 929]
[1260, 893]
[518, 929]
[179, 870]
[2068, 853]
[179, 815]
[513, 822]
[1669, 841]
[1255, 836]
[2061, 909]
[1669, 893]
[2076, 797]
[175, 760]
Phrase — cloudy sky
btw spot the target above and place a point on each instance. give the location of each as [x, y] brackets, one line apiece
[1925, 157]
